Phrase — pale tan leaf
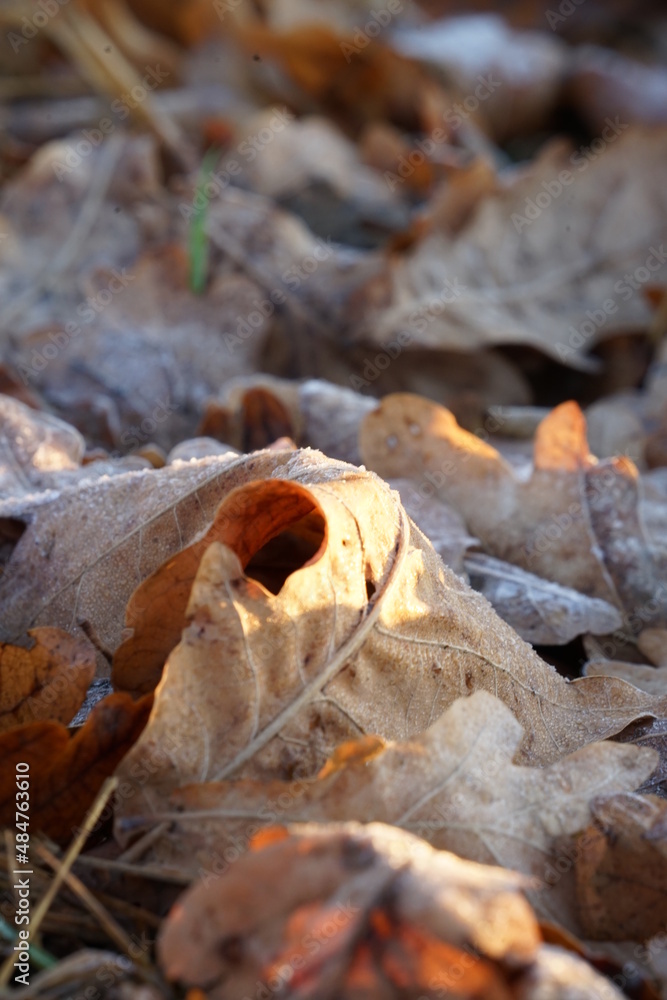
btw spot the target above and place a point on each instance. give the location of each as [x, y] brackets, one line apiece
[456, 786]
[66, 566]
[621, 870]
[40, 452]
[652, 642]
[542, 612]
[319, 614]
[575, 521]
[537, 259]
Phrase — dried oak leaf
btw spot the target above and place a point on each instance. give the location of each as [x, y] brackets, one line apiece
[34, 446]
[508, 278]
[48, 681]
[68, 567]
[455, 786]
[317, 613]
[652, 642]
[575, 521]
[542, 612]
[348, 911]
[621, 869]
[443, 526]
[66, 772]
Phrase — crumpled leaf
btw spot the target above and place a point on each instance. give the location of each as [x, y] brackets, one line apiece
[48, 681]
[508, 278]
[68, 568]
[542, 612]
[575, 521]
[621, 869]
[367, 882]
[67, 772]
[455, 785]
[347, 911]
[319, 615]
[33, 446]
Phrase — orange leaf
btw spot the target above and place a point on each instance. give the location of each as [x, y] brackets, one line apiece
[67, 772]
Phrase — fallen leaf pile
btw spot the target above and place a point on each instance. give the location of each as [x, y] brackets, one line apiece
[377, 913]
[333, 500]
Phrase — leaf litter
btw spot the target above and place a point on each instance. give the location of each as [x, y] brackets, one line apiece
[333, 525]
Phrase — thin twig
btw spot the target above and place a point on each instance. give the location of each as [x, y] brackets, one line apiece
[42, 908]
[139, 848]
[111, 926]
[158, 874]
